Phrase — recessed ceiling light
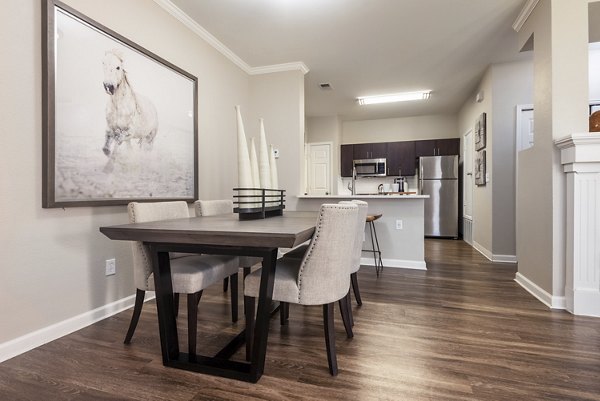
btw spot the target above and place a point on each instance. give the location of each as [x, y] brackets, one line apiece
[394, 97]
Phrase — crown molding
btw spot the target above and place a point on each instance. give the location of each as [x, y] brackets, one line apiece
[524, 14]
[267, 69]
[186, 20]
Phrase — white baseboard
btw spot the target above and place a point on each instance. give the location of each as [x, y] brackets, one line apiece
[483, 250]
[494, 257]
[504, 258]
[397, 263]
[42, 336]
[542, 295]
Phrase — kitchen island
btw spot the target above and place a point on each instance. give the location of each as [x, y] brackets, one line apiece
[400, 230]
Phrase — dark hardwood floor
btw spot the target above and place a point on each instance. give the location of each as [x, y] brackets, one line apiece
[463, 330]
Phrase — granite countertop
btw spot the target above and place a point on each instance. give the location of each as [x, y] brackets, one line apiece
[365, 196]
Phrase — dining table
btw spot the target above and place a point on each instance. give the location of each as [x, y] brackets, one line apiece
[218, 235]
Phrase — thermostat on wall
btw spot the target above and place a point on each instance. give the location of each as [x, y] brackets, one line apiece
[276, 153]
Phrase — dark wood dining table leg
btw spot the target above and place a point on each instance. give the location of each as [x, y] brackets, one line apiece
[167, 324]
[263, 314]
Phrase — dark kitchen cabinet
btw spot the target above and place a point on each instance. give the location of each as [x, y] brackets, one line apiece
[425, 148]
[370, 150]
[448, 147]
[437, 147]
[347, 155]
[401, 158]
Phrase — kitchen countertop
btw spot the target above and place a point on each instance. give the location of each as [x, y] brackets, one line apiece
[390, 197]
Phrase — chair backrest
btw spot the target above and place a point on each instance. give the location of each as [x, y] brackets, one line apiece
[324, 275]
[363, 210]
[141, 213]
[213, 207]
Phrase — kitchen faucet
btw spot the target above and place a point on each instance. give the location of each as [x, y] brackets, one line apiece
[353, 187]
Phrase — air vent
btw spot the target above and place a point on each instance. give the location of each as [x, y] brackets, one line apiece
[325, 86]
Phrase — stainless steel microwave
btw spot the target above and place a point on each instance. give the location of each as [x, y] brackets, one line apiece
[370, 167]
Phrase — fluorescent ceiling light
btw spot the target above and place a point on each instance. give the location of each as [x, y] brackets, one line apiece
[394, 97]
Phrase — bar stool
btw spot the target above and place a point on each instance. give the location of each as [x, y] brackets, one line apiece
[375, 243]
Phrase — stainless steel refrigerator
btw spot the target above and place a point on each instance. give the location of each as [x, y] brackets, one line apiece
[438, 178]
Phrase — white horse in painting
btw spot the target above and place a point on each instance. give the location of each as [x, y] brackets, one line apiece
[129, 115]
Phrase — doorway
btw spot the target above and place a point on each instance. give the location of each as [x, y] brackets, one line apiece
[319, 168]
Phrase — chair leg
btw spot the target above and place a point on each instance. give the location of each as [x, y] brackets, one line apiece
[234, 297]
[379, 263]
[225, 282]
[343, 302]
[354, 279]
[137, 310]
[249, 311]
[284, 312]
[192, 305]
[349, 301]
[373, 248]
[176, 304]
[245, 272]
[330, 338]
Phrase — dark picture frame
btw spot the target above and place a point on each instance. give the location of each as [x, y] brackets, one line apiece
[594, 106]
[480, 168]
[480, 132]
[120, 123]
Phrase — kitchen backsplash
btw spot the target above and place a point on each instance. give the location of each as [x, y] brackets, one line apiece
[369, 185]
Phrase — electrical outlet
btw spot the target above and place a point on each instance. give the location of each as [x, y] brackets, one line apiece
[398, 224]
[111, 267]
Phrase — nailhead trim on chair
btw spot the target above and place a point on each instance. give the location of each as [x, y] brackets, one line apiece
[311, 245]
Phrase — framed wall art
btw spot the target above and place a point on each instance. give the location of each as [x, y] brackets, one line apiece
[480, 168]
[120, 123]
[480, 132]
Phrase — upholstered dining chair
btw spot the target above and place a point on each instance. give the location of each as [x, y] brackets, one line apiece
[363, 208]
[190, 273]
[320, 277]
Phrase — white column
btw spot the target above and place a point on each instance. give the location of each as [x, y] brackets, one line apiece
[580, 157]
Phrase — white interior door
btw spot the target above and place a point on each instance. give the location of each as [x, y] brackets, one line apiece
[319, 168]
[525, 127]
[468, 176]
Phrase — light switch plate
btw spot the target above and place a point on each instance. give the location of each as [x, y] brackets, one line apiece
[111, 267]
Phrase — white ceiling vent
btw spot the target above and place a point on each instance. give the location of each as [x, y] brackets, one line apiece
[325, 86]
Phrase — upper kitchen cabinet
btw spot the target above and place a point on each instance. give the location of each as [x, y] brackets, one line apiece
[369, 150]
[401, 158]
[438, 147]
[448, 147]
[347, 155]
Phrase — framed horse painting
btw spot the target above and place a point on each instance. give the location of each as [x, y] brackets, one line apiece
[120, 123]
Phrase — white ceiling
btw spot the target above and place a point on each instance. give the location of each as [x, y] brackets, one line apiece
[369, 47]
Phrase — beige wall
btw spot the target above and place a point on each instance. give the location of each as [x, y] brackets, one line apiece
[560, 97]
[279, 99]
[505, 86]
[400, 129]
[482, 195]
[512, 85]
[53, 259]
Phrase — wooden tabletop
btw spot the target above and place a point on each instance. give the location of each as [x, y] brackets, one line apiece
[287, 231]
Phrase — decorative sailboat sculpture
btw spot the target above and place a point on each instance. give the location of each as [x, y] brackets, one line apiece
[264, 168]
[256, 196]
